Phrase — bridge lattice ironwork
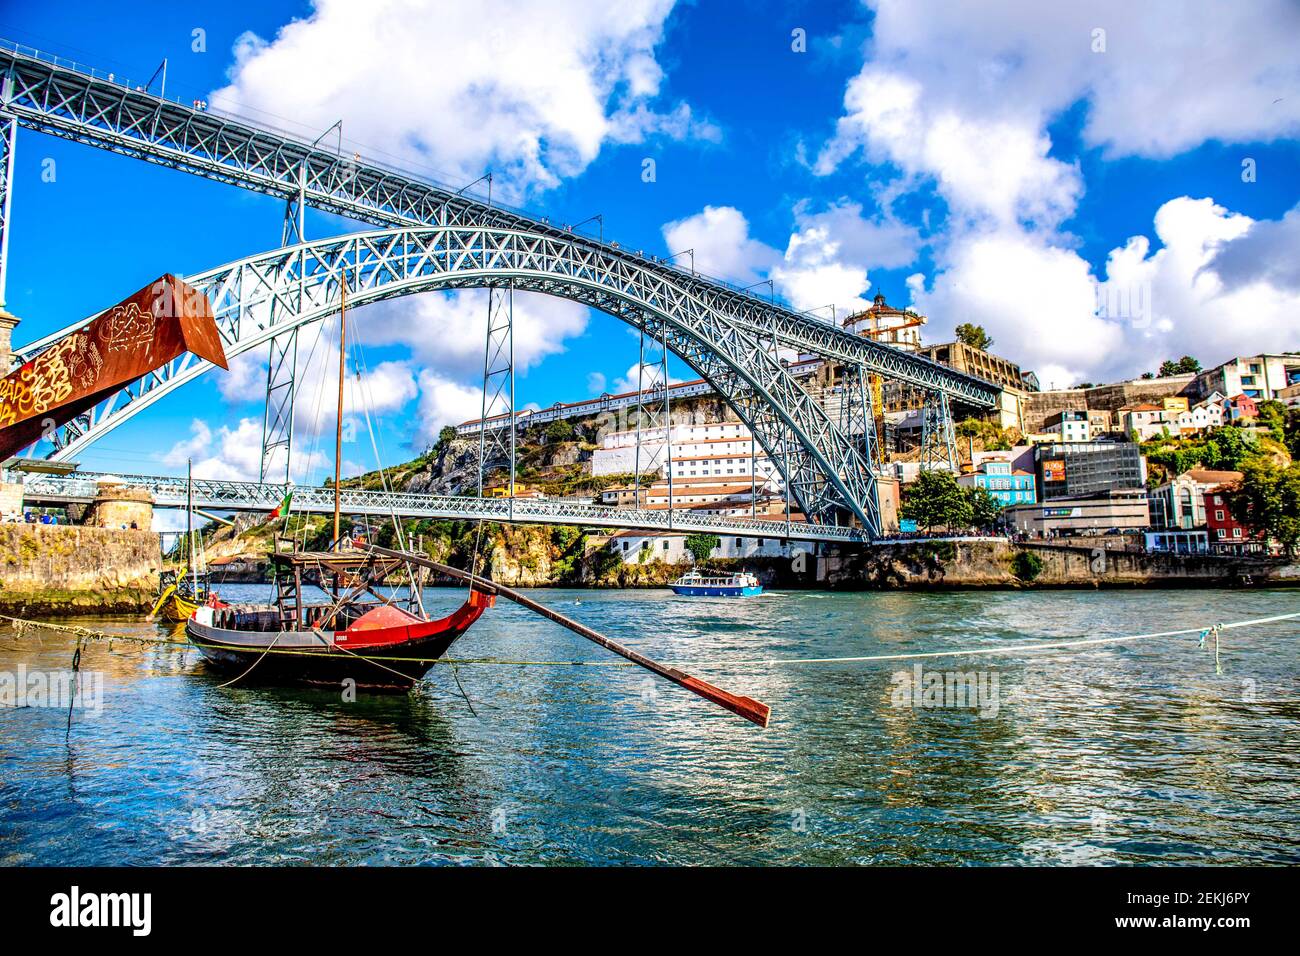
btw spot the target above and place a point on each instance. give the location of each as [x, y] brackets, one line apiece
[82, 488]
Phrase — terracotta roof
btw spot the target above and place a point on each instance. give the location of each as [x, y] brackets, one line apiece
[703, 441]
[662, 490]
[701, 506]
[1205, 476]
[761, 454]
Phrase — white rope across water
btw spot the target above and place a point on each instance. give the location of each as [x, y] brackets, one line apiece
[20, 624]
[1012, 649]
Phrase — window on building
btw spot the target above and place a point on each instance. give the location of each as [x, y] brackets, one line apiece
[665, 545]
[624, 545]
[1218, 514]
[740, 542]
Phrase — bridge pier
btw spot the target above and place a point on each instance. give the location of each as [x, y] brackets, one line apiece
[938, 443]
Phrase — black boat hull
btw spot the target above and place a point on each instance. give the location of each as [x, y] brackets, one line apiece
[315, 659]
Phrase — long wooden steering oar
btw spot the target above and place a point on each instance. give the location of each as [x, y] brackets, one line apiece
[746, 707]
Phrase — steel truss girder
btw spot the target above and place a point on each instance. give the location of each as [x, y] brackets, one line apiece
[216, 494]
[263, 296]
[826, 476]
[938, 442]
[653, 413]
[8, 137]
[277, 423]
[65, 102]
[497, 446]
[857, 416]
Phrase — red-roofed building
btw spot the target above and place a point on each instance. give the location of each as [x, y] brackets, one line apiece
[1227, 535]
[1241, 406]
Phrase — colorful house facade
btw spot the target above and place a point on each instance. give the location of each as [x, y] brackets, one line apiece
[1007, 484]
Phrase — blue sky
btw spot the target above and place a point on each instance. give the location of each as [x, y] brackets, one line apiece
[991, 165]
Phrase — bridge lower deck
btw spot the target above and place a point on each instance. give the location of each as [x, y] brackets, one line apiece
[215, 495]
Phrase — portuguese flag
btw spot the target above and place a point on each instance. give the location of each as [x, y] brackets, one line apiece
[281, 509]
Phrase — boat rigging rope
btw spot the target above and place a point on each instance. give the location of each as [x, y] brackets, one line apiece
[259, 660]
[20, 625]
[76, 686]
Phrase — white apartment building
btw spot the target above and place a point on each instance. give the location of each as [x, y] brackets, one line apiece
[713, 450]
[731, 495]
[671, 548]
[1259, 377]
[1069, 426]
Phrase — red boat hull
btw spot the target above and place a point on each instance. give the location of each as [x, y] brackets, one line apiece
[388, 653]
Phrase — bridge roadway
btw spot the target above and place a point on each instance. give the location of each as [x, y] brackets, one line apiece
[216, 495]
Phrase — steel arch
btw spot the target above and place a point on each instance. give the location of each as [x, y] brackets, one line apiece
[257, 298]
[67, 100]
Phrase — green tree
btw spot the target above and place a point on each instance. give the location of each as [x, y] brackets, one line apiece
[1291, 431]
[935, 499]
[1232, 446]
[1180, 366]
[559, 430]
[1272, 415]
[701, 546]
[1267, 501]
[445, 437]
[974, 336]
[984, 508]
[1026, 565]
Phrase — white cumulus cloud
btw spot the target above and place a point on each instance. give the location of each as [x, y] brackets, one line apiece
[531, 91]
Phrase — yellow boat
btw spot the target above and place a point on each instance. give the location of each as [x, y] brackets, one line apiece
[174, 606]
[182, 593]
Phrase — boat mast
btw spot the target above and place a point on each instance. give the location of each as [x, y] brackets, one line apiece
[189, 519]
[338, 430]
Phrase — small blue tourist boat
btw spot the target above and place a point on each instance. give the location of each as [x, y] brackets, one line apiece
[695, 584]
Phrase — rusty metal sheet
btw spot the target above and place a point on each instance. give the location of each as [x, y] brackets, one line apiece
[141, 333]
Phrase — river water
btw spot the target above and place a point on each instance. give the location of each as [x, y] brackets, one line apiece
[1145, 752]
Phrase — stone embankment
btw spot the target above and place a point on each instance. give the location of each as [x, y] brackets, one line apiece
[1001, 563]
[73, 569]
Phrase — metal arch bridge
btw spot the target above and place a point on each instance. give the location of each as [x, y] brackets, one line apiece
[82, 487]
[455, 241]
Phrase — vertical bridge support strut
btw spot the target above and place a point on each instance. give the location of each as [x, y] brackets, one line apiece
[8, 134]
[938, 444]
[496, 441]
[653, 417]
[282, 360]
[277, 421]
[8, 137]
[858, 414]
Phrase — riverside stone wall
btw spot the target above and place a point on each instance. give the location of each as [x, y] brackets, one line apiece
[1003, 564]
[71, 569]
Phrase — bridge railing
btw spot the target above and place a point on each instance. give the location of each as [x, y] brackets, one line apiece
[253, 496]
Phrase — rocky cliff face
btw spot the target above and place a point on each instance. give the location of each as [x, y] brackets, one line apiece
[453, 471]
